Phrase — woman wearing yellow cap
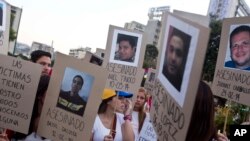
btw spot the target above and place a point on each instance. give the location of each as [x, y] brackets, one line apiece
[109, 124]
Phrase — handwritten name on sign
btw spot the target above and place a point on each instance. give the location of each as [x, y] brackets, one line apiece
[122, 77]
[232, 85]
[17, 93]
[168, 119]
[62, 123]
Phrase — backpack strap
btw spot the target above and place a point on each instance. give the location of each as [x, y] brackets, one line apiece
[113, 130]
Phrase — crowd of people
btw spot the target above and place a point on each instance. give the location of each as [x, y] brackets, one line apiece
[118, 118]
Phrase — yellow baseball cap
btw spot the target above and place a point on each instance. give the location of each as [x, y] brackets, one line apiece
[107, 93]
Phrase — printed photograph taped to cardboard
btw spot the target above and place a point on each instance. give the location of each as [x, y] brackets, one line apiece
[2, 15]
[125, 47]
[74, 92]
[238, 47]
[177, 57]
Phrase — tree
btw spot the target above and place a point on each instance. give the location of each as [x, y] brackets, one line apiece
[212, 50]
[150, 57]
[12, 33]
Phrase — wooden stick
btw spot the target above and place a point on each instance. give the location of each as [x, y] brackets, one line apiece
[225, 123]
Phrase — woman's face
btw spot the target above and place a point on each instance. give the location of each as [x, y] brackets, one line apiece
[140, 100]
[118, 103]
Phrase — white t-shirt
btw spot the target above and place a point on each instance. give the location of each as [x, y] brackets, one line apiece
[99, 130]
[135, 122]
[35, 137]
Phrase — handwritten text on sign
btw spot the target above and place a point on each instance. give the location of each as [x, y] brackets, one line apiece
[232, 84]
[16, 93]
[169, 121]
[122, 77]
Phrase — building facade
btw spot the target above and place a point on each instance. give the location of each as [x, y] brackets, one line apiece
[79, 52]
[135, 26]
[21, 48]
[41, 46]
[228, 8]
[14, 25]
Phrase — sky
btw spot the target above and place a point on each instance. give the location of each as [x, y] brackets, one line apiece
[85, 23]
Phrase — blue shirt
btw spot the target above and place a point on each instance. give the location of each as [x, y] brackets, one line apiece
[231, 64]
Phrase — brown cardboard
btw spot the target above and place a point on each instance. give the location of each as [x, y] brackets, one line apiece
[18, 86]
[59, 124]
[231, 83]
[124, 76]
[171, 110]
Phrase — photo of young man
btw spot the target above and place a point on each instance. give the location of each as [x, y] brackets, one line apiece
[71, 97]
[239, 45]
[176, 56]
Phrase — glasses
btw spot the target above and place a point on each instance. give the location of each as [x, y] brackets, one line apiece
[243, 44]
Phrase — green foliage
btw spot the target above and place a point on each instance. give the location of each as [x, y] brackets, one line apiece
[150, 57]
[12, 33]
[237, 114]
[212, 50]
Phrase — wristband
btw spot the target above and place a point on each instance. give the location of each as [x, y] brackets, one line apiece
[127, 117]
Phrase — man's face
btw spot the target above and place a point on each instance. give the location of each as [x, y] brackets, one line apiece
[240, 49]
[175, 54]
[76, 85]
[45, 61]
[126, 51]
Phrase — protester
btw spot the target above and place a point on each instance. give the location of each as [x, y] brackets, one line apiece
[240, 48]
[71, 100]
[43, 58]
[175, 57]
[139, 116]
[109, 124]
[202, 125]
[127, 48]
[37, 109]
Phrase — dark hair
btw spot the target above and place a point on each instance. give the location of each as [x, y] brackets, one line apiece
[104, 104]
[41, 89]
[79, 76]
[242, 28]
[131, 39]
[35, 55]
[202, 126]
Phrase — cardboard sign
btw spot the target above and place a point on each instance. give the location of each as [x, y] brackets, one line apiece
[18, 86]
[4, 26]
[65, 117]
[150, 81]
[147, 133]
[176, 84]
[230, 81]
[125, 70]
